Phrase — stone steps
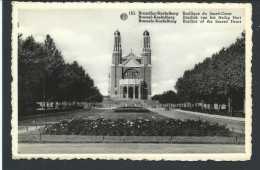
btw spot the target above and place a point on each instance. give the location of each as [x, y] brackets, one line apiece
[130, 103]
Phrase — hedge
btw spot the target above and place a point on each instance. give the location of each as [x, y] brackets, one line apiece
[131, 109]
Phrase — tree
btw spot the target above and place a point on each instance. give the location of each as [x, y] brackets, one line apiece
[43, 75]
[30, 72]
[95, 96]
[167, 97]
[53, 64]
[218, 79]
[156, 97]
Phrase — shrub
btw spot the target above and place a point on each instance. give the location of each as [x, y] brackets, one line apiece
[136, 127]
[131, 109]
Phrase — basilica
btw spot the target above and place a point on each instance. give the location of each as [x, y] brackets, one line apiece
[130, 76]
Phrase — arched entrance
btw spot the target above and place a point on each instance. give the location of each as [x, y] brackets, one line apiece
[136, 93]
[145, 91]
[131, 92]
[145, 94]
[125, 92]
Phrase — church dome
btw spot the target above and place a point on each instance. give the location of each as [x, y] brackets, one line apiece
[146, 33]
[117, 32]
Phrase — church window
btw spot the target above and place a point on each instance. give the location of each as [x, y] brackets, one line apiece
[131, 74]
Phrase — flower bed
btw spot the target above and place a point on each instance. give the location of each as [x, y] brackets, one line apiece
[136, 127]
[131, 109]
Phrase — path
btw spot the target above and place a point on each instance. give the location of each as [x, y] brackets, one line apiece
[234, 124]
[127, 148]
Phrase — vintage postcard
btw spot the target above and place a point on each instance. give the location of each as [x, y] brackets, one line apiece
[152, 81]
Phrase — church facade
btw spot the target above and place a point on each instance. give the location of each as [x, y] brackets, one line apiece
[130, 76]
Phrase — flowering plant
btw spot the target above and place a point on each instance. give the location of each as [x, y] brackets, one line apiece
[136, 127]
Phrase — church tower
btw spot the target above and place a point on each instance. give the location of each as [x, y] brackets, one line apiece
[146, 67]
[116, 67]
[117, 50]
[146, 50]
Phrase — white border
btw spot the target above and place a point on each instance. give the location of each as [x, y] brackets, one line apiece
[181, 157]
[1, 99]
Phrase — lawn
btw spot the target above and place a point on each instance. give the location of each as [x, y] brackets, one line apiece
[89, 114]
[34, 137]
[96, 113]
[131, 115]
[50, 118]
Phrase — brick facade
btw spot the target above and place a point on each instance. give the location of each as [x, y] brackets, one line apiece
[130, 76]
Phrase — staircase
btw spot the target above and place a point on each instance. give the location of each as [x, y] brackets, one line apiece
[128, 103]
[131, 103]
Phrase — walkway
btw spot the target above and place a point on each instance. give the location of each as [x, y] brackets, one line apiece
[233, 123]
[213, 116]
[126, 148]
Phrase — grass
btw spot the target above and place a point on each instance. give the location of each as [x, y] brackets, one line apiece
[90, 114]
[34, 137]
[32, 121]
[131, 115]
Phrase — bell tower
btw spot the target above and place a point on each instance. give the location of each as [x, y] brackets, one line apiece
[146, 50]
[117, 50]
[146, 66]
[116, 67]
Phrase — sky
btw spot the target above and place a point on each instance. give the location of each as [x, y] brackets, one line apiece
[86, 36]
